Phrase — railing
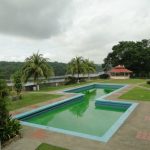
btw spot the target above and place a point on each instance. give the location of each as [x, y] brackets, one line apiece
[56, 79]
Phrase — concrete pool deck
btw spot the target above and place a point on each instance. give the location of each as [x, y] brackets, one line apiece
[134, 134]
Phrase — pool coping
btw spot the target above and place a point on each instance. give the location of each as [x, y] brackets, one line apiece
[105, 138]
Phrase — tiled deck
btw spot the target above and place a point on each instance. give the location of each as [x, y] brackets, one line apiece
[134, 134]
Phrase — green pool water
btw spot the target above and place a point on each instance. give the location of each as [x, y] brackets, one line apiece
[82, 116]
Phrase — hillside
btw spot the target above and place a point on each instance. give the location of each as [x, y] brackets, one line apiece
[8, 68]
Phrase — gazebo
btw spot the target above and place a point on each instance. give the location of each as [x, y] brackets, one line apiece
[120, 72]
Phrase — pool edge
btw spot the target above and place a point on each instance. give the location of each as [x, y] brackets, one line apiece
[105, 138]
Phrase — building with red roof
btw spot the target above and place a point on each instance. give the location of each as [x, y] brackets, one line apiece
[120, 72]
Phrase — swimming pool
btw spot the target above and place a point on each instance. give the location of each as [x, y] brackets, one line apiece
[86, 115]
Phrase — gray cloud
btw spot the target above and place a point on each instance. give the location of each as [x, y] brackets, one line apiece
[32, 18]
[69, 28]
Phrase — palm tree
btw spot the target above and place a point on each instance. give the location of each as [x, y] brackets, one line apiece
[89, 67]
[36, 66]
[76, 66]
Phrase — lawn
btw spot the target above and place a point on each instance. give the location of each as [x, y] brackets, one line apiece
[137, 93]
[35, 97]
[124, 81]
[29, 99]
[127, 81]
[53, 88]
[45, 146]
[145, 85]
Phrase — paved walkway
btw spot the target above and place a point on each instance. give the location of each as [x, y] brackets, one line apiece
[134, 134]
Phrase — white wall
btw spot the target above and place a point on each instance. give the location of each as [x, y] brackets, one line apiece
[119, 77]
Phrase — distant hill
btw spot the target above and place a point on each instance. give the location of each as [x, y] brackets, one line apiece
[9, 68]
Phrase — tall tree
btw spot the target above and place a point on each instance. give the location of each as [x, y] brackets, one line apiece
[17, 80]
[134, 55]
[36, 67]
[89, 67]
[76, 66]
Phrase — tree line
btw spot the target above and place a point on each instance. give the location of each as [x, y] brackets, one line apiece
[134, 55]
[9, 68]
[37, 68]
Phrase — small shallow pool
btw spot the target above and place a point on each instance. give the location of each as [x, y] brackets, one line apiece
[83, 115]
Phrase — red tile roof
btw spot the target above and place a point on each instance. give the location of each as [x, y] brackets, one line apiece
[120, 68]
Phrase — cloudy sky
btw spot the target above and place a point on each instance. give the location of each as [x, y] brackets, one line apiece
[62, 29]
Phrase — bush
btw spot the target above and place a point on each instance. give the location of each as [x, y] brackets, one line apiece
[148, 82]
[3, 89]
[82, 79]
[104, 76]
[17, 79]
[10, 130]
[8, 127]
[14, 96]
[70, 80]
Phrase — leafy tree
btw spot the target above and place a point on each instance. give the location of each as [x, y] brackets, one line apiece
[59, 68]
[76, 66]
[9, 68]
[17, 79]
[3, 110]
[134, 55]
[89, 67]
[36, 66]
[3, 89]
[8, 127]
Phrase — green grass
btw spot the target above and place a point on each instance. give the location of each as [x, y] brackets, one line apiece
[124, 81]
[145, 85]
[137, 94]
[45, 146]
[35, 97]
[29, 99]
[127, 81]
[53, 88]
